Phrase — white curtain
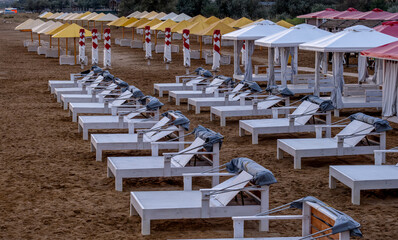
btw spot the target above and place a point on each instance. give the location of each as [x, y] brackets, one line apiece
[378, 75]
[338, 77]
[271, 68]
[390, 89]
[284, 61]
[294, 63]
[277, 60]
[237, 49]
[363, 73]
[243, 52]
[248, 66]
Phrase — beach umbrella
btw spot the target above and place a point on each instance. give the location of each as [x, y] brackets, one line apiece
[128, 22]
[49, 28]
[94, 47]
[107, 48]
[87, 17]
[212, 20]
[134, 14]
[118, 23]
[55, 31]
[168, 16]
[71, 31]
[224, 29]
[285, 24]
[136, 24]
[186, 51]
[81, 17]
[181, 17]
[240, 22]
[148, 45]
[167, 47]
[216, 50]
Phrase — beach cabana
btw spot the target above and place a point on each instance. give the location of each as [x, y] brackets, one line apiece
[227, 20]
[134, 25]
[353, 39]
[55, 15]
[41, 27]
[53, 53]
[288, 42]
[134, 14]
[27, 27]
[179, 27]
[249, 35]
[240, 22]
[181, 17]
[168, 16]
[61, 16]
[122, 23]
[389, 55]
[42, 14]
[44, 49]
[71, 31]
[390, 28]
[47, 15]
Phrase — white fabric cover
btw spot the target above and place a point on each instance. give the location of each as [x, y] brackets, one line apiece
[271, 71]
[363, 73]
[248, 66]
[390, 89]
[338, 78]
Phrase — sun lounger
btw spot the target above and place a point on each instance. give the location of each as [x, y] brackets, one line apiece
[258, 108]
[139, 141]
[212, 90]
[354, 139]
[83, 87]
[93, 73]
[217, 202]
[169, 165]
[298, 121]
[366, 177]
[318, 221]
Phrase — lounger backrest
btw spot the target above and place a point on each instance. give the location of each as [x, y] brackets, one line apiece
[236, 97]
[122, 98]
[355, 127]
[306, 108]
[236, 182]
[269, 102]
[216, 83]
[195, 81]
[135, 113]
[238, 87]
[87, 77]
[183, 159]
[321, 219]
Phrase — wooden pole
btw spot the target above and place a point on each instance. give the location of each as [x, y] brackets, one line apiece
[132, 33]
[31, 36]
[59, 48]
[156, 37]
[102, 29]
[88, 25]
[94, 23]
[50, 41]
[200, 39]
[66, 49]
[122, 32]
[39, 39]
[74, 45]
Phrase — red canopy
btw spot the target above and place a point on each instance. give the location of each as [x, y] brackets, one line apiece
[320, 14]
[375, 14]
[394, 16]
[388, 51]
[390, 28]
[348, 12]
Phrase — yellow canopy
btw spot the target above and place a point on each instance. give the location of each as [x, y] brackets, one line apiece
[56, 30]
[181, 26]
[163, 25]
[76, 17]
[285, 24]
[96, 17]
[158, 16]
[83, 15]
[197, 18]
[71, 31]
[114, 23]
[149, 15]
[249, 24]
[227, 20]
[212, 20]
[240, 22]
[22, 25]
[196, 28]
[129, 21]
[224, 29]
[138, 23]
[121, 22]
[47, 15]
[54, 15]
[87, 17]
[150, 23]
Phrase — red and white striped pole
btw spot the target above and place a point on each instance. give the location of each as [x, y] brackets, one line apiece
[186, 50]
[148, 44]
[82, 47]
[94, 49]
[107, 48]
[216, 50]
[167, 47]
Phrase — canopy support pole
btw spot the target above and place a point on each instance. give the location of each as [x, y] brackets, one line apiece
[31, 36]
[132, 33]
[236, 60]
[271, 72]
[102, 29]
[50, 41]
[156, 37]
[66, 48]
[39, 39]
[74, 45]
[122, 32]
[59, 48]
[200, 53]
[317, 62]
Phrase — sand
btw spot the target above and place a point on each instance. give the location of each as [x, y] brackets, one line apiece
[52, 187]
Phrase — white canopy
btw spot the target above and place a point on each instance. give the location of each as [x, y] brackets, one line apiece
[255, 31]
[107, 18]
[169, 16]
[42, 26]
[41, 15]
[50, 27]
[134, 14]
[91, 15]
[293, 36]
[352, 39]
[181, 17]
[62, 16]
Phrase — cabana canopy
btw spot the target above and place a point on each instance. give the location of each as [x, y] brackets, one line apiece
[87, 17]
[196, 28]
[65, 16]
[70, 16]
[240, 22]
[163, 25]
[83, 15]
[117, 21]
[141, 15]
[375, 14]
[134, 14]
[138, 23]
[255, 31]
[47, 15]
[29, 26]
[293, 36]
[249, 24]
[150, 23]
[394, 16]
[49, 28]
[352, 39]
[390, 28]
[320, 14]
[197, 18]
[181, 26]
[58, 29]
[224, 29]
[158, 16]
[95, 18]
[212, 20]
[149, 15]
[285, 24]
[55, 15]
[181, 17]
[347, 13]
[169, 16]
[72, 31]
[61, 16]
[107, 18]
[41, 15]
[22, 25]
[227, 20]
[388, 51]
[129, 21]
[42, 26]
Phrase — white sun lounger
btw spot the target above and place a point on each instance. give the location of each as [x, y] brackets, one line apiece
[190, 204]
[73, 82]
[81, 88]
[212, 90]
[365, 177]
[169, 165]
[101, 107]
[187, 83]
[229, 99]
[344, 143]
[140, 141]
[122, 121]
[294, 123]
[258, 108]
